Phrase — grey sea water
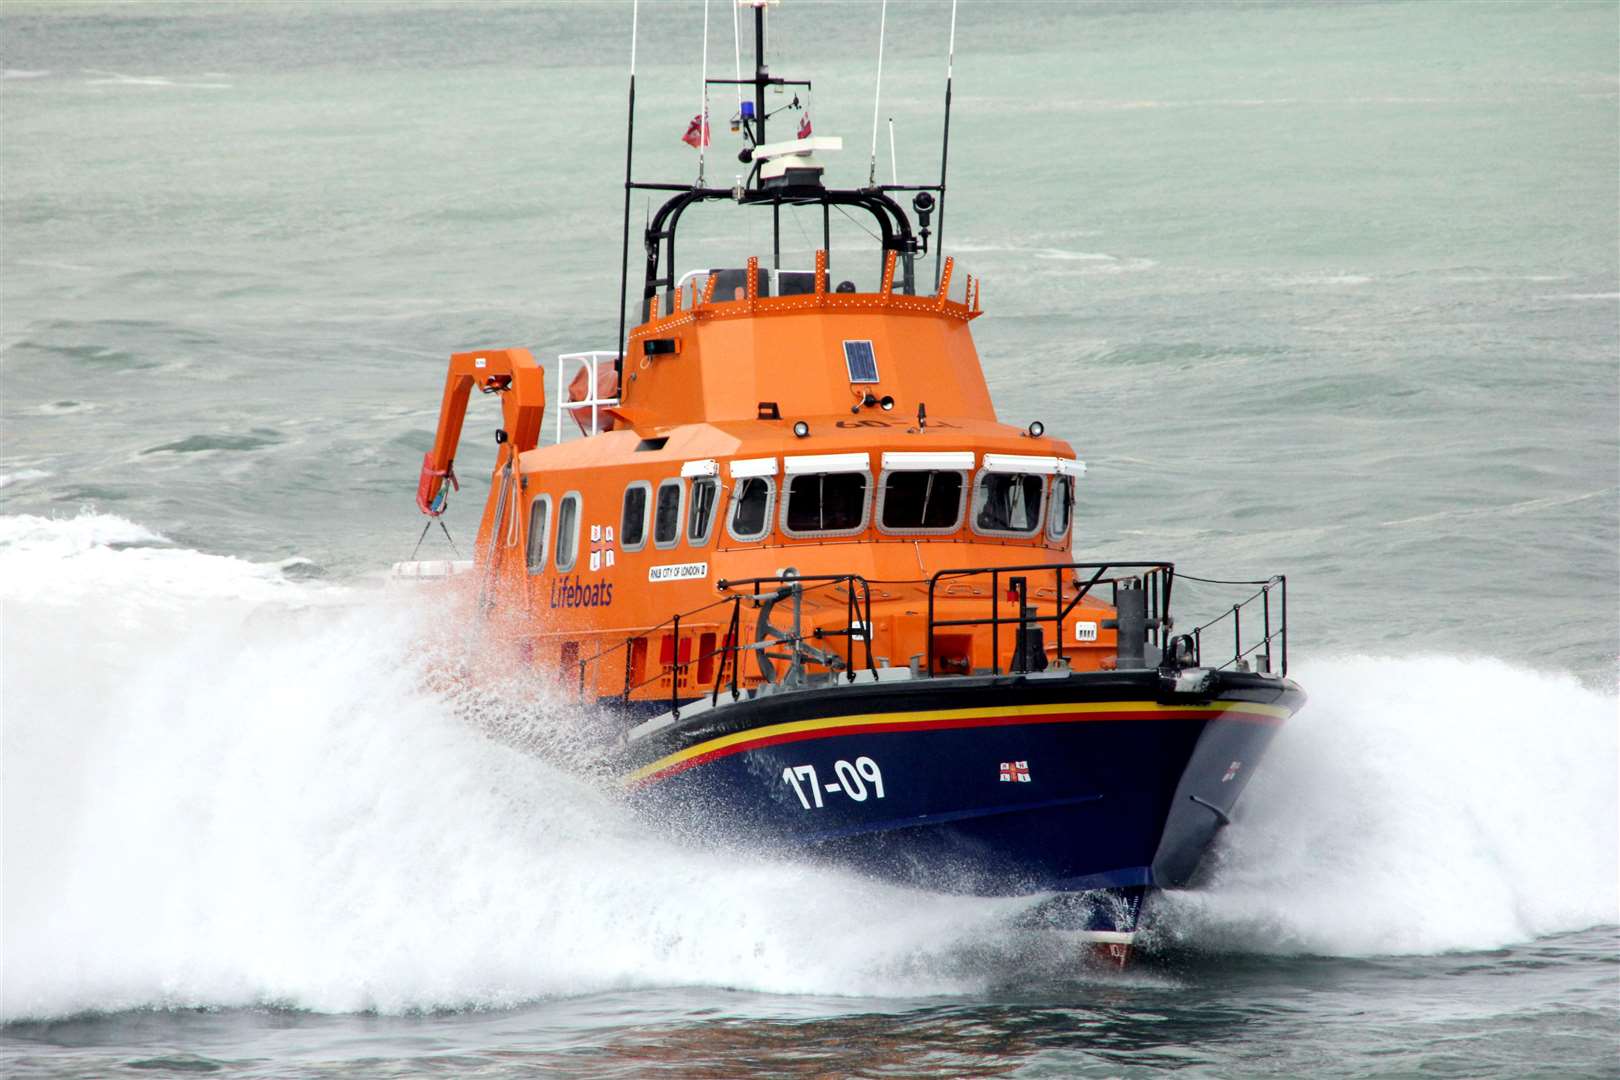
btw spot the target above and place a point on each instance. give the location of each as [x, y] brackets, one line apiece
[1325, 289]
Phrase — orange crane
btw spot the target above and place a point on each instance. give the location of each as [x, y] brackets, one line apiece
[511, 373]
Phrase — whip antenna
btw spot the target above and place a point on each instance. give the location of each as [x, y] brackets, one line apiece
[736, 48]
[629, 146]
[703, 100]
[944, 151]
[894, 167]
[877, 90]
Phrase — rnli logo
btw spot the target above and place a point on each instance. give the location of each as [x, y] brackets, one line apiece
[601, 547]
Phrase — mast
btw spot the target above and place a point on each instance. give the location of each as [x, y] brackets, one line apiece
[629, 148]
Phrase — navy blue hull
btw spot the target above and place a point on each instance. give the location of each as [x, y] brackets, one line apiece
[990, 786]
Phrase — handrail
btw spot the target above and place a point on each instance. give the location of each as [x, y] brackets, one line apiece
[1157, 576]
[1235, 613]
[731, 646]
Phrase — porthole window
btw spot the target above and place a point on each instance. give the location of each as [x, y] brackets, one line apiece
[751, 499]
[539, 524]
[921, 501]
[1062, 512]
[825, 504]
[1008, 503]
[568, 532]
[700, 514]
[633, 518]
[667, 514]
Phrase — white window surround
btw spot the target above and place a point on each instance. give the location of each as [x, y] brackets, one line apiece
[1021, 463]
[978, 501]
[753, 467]
[579, 513]
[935, 461]
[827, 463]
[1052, 505]
[769, 479]
[680, 514]
[823, 534]
[625, 542]
[962, 499]
[537, 564]
[703, 539]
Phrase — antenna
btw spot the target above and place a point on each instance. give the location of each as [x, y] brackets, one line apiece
[629, 146]
[703, 97]
[944, 152]
[877, 90]
[894, 166]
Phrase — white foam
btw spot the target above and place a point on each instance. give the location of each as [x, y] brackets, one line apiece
[1421, 806]
[22, 476]
[215, 797]
[222, 787]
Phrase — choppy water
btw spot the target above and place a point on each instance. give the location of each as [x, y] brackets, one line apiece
[1326, 290]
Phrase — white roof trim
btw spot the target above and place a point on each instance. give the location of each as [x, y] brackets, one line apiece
[1021, 463]
[1067, 467]
[706, 467]
[826, 463]
[953, 460]
[765, 466]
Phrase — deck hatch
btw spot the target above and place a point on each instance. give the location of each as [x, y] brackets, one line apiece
[861, 362]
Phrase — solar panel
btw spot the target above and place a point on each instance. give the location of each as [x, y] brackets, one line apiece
[860, 361]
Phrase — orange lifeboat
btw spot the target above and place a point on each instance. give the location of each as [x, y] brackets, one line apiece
[823, 598]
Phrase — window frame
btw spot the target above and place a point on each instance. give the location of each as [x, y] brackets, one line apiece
[538, 566]
[579, 517]
[737, 485]
[1007, 534]
[646, 515]
[962, 500]
[824, 534]
[691, 506]
[1052, 505]
[680, 513]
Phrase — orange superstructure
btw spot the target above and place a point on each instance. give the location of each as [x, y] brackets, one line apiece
[589, 543]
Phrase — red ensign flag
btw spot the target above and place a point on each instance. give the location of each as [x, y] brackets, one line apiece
[697, 132]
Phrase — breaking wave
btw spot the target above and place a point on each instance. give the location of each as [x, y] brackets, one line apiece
[223, 786]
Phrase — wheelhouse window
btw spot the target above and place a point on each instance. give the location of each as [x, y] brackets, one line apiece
[1008, 503]
[539, 524]
[568, 532]
[667, 514]
[633, 518]
[921, 501]
[825, 504]
[1062, 511]
[700, 512]
[751, 508]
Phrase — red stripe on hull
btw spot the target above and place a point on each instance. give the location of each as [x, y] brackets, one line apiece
[937, 725]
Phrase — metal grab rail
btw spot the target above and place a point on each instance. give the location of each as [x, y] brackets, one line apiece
[1279, 582]
[731, 646]
[1156, 577]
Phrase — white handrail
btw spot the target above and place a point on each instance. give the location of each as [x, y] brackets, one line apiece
[590, 401]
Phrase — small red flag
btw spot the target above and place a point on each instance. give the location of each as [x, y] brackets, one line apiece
[697, 132]
[804, 125]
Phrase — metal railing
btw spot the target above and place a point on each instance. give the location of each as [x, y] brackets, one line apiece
[731, 648]
[1261, 649]
[1155, 578]
[585, 361]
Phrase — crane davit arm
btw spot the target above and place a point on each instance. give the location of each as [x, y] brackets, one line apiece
[511, 373]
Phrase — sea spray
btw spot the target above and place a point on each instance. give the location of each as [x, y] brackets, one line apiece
[1419, 805]
[223, 787]
[219, 795]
